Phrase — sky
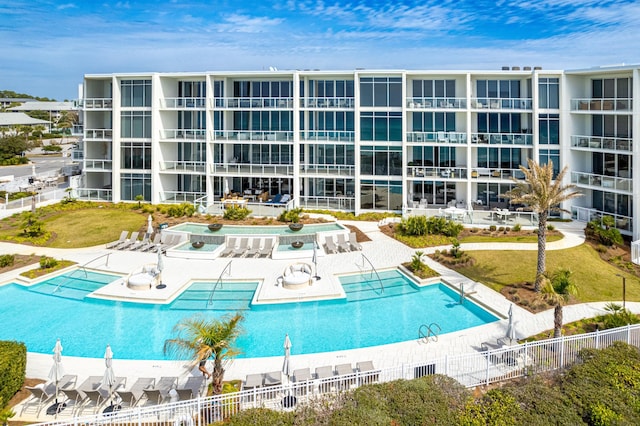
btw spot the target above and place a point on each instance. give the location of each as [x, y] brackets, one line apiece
[48, 46]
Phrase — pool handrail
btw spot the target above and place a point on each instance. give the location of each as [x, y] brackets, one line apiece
[373, 268]
[219, 281]
[83, 267]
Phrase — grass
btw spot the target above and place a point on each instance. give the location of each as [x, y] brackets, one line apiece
[596, 280]
[532, 238]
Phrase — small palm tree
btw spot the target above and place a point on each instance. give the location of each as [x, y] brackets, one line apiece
[557, 291]
[543, 194]
[202, 338]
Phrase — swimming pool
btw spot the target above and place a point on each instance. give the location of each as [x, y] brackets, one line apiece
[138, 331]
[202, 229]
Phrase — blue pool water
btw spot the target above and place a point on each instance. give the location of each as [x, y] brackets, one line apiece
[197, 228]
[137, 331]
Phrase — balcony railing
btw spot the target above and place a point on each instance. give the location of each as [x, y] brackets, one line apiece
[246, 135]
[602, 181]
[180, 196]
[183, 166]
[502, 138]
[590, 104]
[601, 142]
[437, 137]
[97, 103]
[428, 103]
[253, 103]
[495, 173]
[327, 103]
[328, 169]
[501, 103]
[98, 165]
[325, 135]
[585, 214]
[252, 169]
[437, 172]
[99, 134]
[336, 203]
[180, 103]
[94, 194]
[183, 134]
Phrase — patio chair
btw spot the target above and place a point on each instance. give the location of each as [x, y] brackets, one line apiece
[345, 370]
[160, 392]
[275, 200]
[40, 395]
[273, 379]
[75, 398]
[184, 394]
[130, 242]
[368, 374]
[137, 244]
[195, 384]
[355, 245]
[152, 244]
[132, 396]
[325, 374]
[302, 379]
[330, 245]
[121, 240]
[94, 398]
[253, 381]
[254, 249]
[231, 246]
[267, 248]
[242, 247]
[343, 244]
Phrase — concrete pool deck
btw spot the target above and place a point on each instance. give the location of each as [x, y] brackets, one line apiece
[384, 252]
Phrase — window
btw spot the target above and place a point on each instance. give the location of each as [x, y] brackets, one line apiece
[549, 93]
[434, 88]
[192, 89]
[381, 160]
[611, 125]
[331, 120]
[135, 124]
[609, 88]
[434, 122]
[611, 203]
[499, 123]
[380, 92]
[380, 195]
[330, 89]
[549, 129]
[551, 155]
[262, 89]
[134, 184]
[498, 89]
[504, 158]
[381, 126]
[136, 155]
[135, 93]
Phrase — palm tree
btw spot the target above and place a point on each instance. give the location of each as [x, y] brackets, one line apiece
[202, 338]
[542, 193]
[557, 291]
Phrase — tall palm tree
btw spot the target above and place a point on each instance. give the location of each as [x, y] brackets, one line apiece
[544, 194]
[557, 291]
[201, 338]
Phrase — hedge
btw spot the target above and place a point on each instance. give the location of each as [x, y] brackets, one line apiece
[13, 365]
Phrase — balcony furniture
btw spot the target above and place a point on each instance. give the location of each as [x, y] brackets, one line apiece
[495, 173]
[474, 174]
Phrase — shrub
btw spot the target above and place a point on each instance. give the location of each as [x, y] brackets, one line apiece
[31, 226]
[495, 408]
[550, 227]
[455, 249]
[236, 213]
[617, 316]
[261, 417]
[517, 227]
[292, 215]
[180, 210]
[414, 225]
[417, 264]
[492, 228]
[7, 260]
[13, 363]
[48, 262]
[501, 228]
[604, 235]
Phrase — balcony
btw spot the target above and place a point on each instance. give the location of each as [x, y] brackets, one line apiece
[590, 104]
[436, 103]
[98, 134]
[236, 169]
[248, 136]
[335, 203]
[590, 143]
[437, 137]
[522, 139]
[98, 165]
[437, 172]
[97, 103]
[93, 194]
[324, 135]
[337, 103]
[327, 169]
[183, 166]
[183, 103]
[586, 214]
[180, 196]
[592, 180]
[502, 103]
[183, 134]
[253, 103]
[495, 173]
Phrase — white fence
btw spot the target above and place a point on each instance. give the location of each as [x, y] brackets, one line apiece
[472, 369]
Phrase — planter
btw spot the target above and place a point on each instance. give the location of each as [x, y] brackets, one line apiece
[213, 227]
[295, 227]
[297, 244]
[197, 244]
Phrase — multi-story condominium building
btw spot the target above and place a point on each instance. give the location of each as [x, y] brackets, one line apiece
[363, 140]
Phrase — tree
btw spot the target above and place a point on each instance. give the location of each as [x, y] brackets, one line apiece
[11, 146]
[543, 194]
[557, 291]
[202, 338]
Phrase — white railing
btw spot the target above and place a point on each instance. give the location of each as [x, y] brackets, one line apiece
[602, 142]
[501, 103]
[439, 172]
[447, 103]
[635, 252]
[183, 134]
[602, 181]
[585, 214]
[502, 138]
[90, 164]
[183, 166]
[183, 103]
[259, 135]
[591, 104]
[342, 102]
[327, 135]
[253, 103]
[328, 169]
[471, 370]
[93, 194]
[437, 137]
[337, 203]
[180, 196]
[252, 169]
[98, 134]
[95, 103]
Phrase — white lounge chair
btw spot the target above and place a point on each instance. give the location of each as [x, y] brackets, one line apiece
[353, 242]
[121, 240]
[266, 249]
[242, 247]
[254, 249]
[343, 244]
[330, 245]
[231, 246]
[130, 242]
[131, 397]
[160, 392]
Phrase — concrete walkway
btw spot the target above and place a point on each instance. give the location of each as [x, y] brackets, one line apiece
[381, 250]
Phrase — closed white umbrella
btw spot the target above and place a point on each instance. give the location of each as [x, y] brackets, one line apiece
[109, 377]
[511, 331]
[226, 187]
[56, 373]
[286, 367]
[160, 265]
[149, 226]
[314, 259]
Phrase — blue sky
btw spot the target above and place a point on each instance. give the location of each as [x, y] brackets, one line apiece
[47, 46]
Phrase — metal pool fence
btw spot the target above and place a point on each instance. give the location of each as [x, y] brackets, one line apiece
[471, 369]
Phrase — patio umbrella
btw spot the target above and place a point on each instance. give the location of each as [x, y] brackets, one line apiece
[226, 187]
[314, 259]
[56, 373]
[109, 377]
[286, 367]
[159, 268]
[511, 332]
[149, 226]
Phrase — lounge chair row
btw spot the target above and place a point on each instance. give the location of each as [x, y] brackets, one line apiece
[145, 244]
[247, 247]
[342, 245]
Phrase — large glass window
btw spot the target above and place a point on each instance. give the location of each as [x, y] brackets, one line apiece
[434, 88]
[504, 158]
[610, 164]
[192, 89]
[434, 121]
[134, 184]
[380, 195]
[331, 154]
[381, 160]
[380, 92]
[549, 129]
[136, 155]
[499, 123]
[262, 89]
[135, 93]
[263, 154]
[331, 120]
[331, 88]
[381, 126]
[549, 93]
[609, 88]
[551, 155]
[442, 156]
[135, 124]
[611, 125]
[498, 89]
[611, 203]
[194, 120]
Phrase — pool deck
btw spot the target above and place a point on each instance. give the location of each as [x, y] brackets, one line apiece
[383, 252]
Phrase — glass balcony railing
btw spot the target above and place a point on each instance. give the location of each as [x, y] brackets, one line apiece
[602, 181]
[98, 164]
[495, 173]
[591, 104]
[335, 203]
[446, 103]
[586, 214]
[246, 135]
[97, 103]
[327, 103]
[328, 169]
[253, 103]
[327, 135]
[437, 137]
[252, 169]
[99, 134]
[601, 142]
[180, 103]
[501, 103]
[437, 172]
[183, 166]
[93, 194]
[183, 134]
[502, 138]
[180, 196]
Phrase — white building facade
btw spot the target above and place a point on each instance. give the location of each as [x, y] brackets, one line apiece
[363, 140]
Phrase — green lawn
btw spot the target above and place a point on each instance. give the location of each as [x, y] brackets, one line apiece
[507, 239]
[595, 278]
